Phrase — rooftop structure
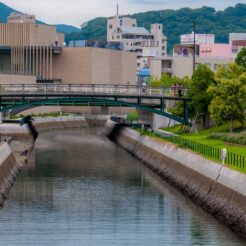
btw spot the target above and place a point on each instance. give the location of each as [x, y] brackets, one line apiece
[236, 36]
[21, 18]
[199, 38]
[238, 41]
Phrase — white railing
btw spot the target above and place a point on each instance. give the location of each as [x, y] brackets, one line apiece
[87, 89]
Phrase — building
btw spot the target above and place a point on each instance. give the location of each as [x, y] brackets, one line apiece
[96, 44]
[31, 52]
[238, 41]
[236, 36]
[20, 18]
[199, 38]
[136, 39]
[181, 63]
[27, 48]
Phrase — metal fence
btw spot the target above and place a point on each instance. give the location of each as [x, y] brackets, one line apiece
[232, 159]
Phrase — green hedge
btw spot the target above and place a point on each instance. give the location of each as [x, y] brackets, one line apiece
[237, 138]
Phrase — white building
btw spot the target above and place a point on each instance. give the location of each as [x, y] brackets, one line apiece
[236, 36]
[137, 39]
[199, 38]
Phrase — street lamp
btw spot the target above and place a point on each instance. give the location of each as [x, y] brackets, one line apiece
[194, 47]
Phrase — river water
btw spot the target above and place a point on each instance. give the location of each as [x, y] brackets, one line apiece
[81, 189]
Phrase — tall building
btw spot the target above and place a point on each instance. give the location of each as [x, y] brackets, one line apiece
[137, 39]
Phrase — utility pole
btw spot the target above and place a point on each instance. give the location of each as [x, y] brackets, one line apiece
[194, 47]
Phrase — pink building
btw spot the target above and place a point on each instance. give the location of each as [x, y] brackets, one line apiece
[216, 50]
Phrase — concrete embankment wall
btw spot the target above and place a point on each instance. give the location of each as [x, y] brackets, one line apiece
[219, 190]
[49, 123]
[9, 168]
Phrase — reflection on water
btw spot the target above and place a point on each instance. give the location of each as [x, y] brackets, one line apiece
[81, 189]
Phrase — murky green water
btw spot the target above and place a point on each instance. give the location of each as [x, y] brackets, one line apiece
[81, 189]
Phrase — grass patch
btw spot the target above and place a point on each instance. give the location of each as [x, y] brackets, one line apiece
[205, 136]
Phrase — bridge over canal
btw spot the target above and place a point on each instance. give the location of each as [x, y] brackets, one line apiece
[152, 99]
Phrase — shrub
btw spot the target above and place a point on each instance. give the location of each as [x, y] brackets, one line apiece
[132, 116]
[236, 138]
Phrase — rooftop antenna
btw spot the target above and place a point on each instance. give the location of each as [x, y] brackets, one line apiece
[117, 10]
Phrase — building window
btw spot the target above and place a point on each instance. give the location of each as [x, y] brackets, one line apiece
[159, 27]
[121, 22]
[110, 26]
[215, 66]
[118, 37]
[112, 37]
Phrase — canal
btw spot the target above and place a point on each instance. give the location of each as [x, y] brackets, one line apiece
[81, 189]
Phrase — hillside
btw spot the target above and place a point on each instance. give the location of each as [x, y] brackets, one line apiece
[5, 11]
[177, 22]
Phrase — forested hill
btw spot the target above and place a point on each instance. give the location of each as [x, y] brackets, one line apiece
[5, 11]
[177, 22]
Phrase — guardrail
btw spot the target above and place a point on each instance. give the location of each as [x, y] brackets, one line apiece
[88, 89]
[232, 159]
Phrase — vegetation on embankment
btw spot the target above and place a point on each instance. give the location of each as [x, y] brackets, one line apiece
[208, 148]
[218, 136]
[45, 115]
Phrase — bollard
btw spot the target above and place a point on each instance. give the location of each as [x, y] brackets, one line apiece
[223, 155]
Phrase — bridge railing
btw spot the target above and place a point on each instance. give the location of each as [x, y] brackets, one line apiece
[87, 89]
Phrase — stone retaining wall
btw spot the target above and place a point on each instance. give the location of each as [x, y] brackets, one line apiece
[9, 168]
[219, 190]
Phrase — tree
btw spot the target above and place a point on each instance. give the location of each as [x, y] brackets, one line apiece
[241, 58]
[166, 81]
[202, 78]
[133, 116]
[228, 103]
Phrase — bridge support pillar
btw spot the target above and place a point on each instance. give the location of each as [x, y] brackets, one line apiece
[155, 120]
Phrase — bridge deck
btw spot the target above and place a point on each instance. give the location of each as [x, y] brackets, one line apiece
[58, 90]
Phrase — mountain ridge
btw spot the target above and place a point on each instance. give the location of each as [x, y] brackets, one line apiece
[177, 22]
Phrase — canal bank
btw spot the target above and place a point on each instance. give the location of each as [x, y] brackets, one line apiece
[9, 167]
[17, 144]
[51, 123]
[217, 189]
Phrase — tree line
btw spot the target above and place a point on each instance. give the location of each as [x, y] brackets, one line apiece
[219, 95]
[176, 23]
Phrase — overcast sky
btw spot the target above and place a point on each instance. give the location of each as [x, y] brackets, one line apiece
[75, 12]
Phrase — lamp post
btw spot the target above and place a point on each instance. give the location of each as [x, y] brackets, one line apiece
[194, 47]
